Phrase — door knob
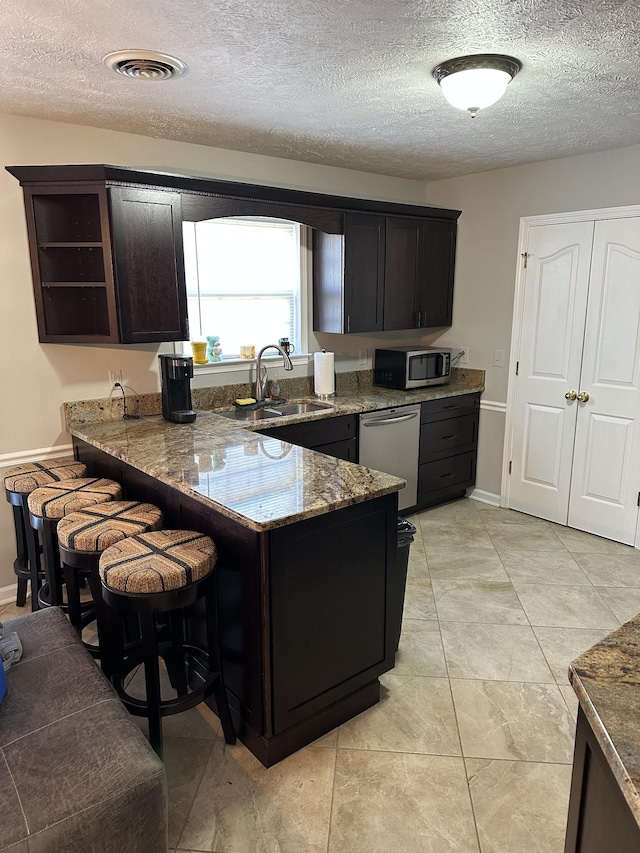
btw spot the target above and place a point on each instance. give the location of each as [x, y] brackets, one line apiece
[583, 397]
[571, 395]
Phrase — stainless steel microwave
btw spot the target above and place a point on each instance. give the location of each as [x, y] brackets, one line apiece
[409, 367]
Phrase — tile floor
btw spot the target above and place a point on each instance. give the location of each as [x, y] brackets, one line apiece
[470, 748]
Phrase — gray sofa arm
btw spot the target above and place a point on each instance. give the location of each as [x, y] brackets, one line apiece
[76, 773]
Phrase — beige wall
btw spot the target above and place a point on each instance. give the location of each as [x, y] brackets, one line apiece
[38, 378]
[492, 205]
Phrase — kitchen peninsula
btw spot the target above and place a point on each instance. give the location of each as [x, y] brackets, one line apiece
[306, 550]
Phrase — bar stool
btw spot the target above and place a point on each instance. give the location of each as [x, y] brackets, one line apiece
[19, 482]
[47, 505]
[82, 537]
[159, 575]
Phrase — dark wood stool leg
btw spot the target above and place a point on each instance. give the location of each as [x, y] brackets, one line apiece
[152, 677]
[21, 563]
[108, 624]
[73, 597]
[215, 663]
[51, 558]
[33, 555]
[174, 656]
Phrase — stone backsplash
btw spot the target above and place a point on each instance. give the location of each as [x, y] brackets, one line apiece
[111, 408]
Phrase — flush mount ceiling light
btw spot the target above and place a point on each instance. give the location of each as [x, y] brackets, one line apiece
[145, 64]
[475, 82]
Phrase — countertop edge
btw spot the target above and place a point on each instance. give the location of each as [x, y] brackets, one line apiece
[609, 695]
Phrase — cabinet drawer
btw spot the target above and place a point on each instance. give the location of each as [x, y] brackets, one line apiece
[455, 471]
[450, 407]
[453, 435]
[347, 450]
[314, 433]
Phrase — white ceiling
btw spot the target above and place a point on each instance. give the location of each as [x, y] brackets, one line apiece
[340, 82]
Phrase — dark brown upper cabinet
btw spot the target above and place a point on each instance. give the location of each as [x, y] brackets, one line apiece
[348, 277]
[107, 263]
[384, 273]
[149, 265]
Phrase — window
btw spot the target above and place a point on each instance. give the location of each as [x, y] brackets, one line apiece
[244, 281]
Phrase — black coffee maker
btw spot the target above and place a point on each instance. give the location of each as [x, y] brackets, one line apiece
[176, 372]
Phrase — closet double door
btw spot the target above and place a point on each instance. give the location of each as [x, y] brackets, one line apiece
[576, 429]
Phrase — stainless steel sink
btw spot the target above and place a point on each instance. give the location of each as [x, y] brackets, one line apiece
[295, 408]
[249, 415]
[267, 411]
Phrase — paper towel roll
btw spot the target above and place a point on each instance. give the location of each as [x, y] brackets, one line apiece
[324, 378]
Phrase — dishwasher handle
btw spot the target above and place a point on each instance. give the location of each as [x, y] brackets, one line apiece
[393, 420]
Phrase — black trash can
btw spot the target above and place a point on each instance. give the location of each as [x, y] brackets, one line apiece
[406, 532]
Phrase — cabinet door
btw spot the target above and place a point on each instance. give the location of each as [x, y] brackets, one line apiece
[401, 272]
[348, 276]
[605, 478]
[149, 265]
[363, 272]
[347, 450]
[437, 259]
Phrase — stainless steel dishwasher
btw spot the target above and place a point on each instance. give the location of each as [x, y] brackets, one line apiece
[389, 442]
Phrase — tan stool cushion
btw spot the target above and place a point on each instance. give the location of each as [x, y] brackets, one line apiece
[25, 478]
[157, 562]
[97, 528]
[67, 496]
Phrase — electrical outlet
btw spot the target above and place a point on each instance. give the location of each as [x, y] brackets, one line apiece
[464, 355]
[363, 355]
[115, 376]
[498, 358]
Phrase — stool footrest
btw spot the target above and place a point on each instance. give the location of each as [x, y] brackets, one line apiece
[140, 708]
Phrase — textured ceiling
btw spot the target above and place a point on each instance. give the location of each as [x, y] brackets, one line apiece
[340, 82]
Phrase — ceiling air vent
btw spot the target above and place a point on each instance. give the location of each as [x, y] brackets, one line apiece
[145, 64]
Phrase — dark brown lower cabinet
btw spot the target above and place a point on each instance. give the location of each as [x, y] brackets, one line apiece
[333, 436]
[328, 618]
[448, 448]
[600, 820]
[306, 611]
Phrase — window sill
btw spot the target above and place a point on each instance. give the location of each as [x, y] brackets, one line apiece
[230, 365]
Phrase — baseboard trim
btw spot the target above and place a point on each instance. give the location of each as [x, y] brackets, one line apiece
[8, 594]
[484, 497]
[21, 457]
[493, 406]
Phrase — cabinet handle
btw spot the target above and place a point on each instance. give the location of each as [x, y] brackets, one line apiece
[446, 476]
[348, 322]
[447, 437]
[450, 406]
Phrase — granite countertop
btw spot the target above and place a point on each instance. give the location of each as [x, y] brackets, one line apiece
[260, 481]
[606, 679]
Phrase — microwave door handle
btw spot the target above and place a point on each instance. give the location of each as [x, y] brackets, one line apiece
[392, 420]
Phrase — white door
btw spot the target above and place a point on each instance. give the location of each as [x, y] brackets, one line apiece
[606, 467]
[554, 308]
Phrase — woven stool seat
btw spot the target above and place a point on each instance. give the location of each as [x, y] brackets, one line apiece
[98, 527]
[157, 562]
[19, 482]
[60, 499]
[32, 475]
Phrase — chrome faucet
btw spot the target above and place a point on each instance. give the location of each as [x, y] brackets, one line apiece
[261, 380]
